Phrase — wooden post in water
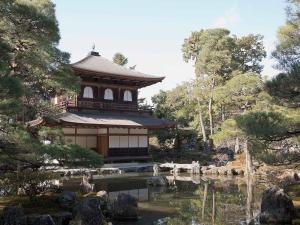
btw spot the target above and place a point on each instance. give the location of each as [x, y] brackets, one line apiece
[249, 204]
[213, 207]
[204, 199]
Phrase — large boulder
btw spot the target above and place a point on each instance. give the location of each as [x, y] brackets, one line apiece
[41, 220]
[276, 207]
[104, 203]
[89, 212]
[125, 207]
[13, 216]
[67, 199]
[157, 181]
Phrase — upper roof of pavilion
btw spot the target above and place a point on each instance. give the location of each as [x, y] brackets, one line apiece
[96, 66]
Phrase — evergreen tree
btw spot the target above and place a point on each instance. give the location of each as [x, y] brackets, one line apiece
[218, 57]
[274, 125]
[288, 48]
[32, 70]
[120, 59]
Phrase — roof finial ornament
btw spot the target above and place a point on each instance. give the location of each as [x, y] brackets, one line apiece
[132, 67]
[93, 52]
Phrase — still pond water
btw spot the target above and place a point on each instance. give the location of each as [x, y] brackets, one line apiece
[189, 201]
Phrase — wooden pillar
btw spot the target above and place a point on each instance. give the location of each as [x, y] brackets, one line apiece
[102, 143]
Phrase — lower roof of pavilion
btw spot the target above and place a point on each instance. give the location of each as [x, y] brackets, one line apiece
[105, 119]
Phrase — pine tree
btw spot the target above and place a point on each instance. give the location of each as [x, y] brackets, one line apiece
[120, 59]
[32, 70]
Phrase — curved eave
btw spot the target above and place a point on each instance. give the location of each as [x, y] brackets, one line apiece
[113, 120]
[71, 124]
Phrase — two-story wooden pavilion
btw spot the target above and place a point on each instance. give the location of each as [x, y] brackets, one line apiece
[105, 116]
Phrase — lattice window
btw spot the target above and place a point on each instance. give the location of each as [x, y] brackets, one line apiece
[88, 92]
[108, 94]
[127, 96]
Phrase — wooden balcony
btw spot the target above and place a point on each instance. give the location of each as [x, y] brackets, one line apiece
[83, 103]
[99, 105]
[96, 104]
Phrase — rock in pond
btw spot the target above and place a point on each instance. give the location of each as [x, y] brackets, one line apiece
[13, 216]
[203, 168]
[40, 220]
[62, 218]
[67, 199]
[125, 207]
[89, 212]
[102, 194]
[212, 170]
[157, 181]
[85, 185]
[276, 207]
[223, 170]
[236, 171]
[289, 177]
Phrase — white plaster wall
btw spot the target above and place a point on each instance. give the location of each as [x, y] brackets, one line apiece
[133, 141]
[114, 141]
[143, 141]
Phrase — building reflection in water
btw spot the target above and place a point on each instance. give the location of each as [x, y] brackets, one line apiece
[141, 195]
[209, 200]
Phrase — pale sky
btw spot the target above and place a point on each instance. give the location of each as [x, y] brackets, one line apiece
[150, 32]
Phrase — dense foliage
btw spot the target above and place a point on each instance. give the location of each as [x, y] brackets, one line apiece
[32, 71]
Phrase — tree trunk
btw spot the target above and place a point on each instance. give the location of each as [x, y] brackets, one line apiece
[206, 146]
[201, 122]
[237, 145]
[223, 113]
[248, 159]
[210, 115]
[213, 206]
[204, 199]
[210, 106]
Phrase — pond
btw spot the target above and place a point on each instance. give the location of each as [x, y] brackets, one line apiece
[188, 201]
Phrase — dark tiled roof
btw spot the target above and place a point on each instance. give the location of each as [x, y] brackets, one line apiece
[117, 120]
[99, 64]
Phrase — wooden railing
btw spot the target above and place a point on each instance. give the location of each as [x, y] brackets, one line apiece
[105, 105]
[94, 104]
